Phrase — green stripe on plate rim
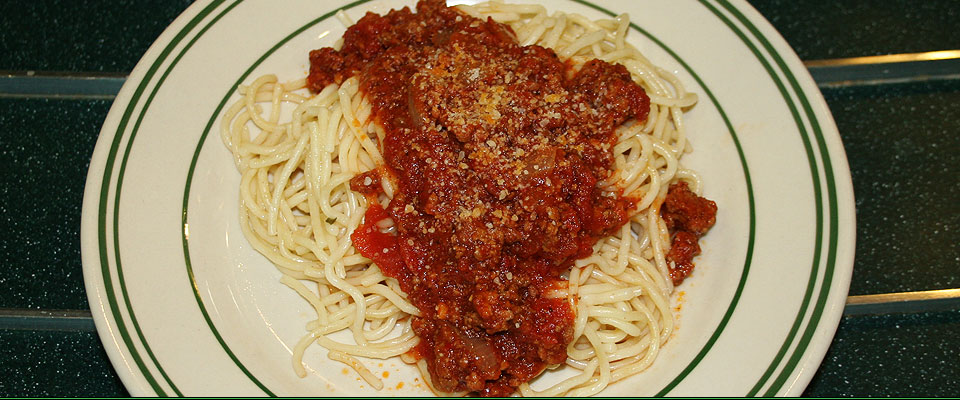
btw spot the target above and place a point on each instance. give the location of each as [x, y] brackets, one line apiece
[186, 29]
[102, 217]
[119, 189]
[795, 327]
[814, 172]
[830, 267]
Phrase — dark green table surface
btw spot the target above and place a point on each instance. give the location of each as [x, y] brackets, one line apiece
[902, 140]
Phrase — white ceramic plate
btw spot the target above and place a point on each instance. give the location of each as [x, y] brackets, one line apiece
[184, 306]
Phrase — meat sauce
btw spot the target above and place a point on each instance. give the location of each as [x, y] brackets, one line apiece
[496, 151]
[688, 216]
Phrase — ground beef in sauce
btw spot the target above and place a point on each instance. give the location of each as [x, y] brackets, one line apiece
[688, 217]
[496, 151]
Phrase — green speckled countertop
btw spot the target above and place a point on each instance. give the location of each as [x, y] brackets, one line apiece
[902, 141]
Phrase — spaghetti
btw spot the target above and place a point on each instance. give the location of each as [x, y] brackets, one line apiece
[312, 180]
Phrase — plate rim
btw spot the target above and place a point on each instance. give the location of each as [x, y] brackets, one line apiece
[91, 236]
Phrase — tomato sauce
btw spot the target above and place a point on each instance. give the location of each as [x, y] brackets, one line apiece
[496, 150]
